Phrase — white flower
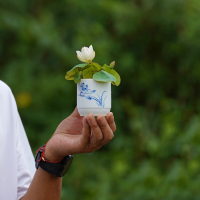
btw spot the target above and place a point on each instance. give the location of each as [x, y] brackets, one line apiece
[86, 55]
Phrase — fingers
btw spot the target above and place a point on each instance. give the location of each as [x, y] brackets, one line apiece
[106, 129]
[97, 135]
[101, 128]
[111, 121]
[85, 133]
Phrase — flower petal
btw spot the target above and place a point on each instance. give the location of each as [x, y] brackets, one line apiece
[78, 53]
[85, 53]
[84, 49]
[91, 48]
[80, 57]
[91, 56]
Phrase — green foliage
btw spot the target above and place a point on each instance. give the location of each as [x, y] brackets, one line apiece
[114, 73]
[89, 72]
[104, 76]
[112, 64]
[77, 77]
[94, 71]
[155, 152]
[80, 67]
[75, 71]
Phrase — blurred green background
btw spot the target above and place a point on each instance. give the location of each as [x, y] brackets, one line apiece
[156, 46]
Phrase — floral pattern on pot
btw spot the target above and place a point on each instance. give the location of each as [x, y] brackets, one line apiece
[87, 93]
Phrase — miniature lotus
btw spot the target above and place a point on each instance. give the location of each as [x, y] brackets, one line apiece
[86, 55]
[93, 83]
[92, 70]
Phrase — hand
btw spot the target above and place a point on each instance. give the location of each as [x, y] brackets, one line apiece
[77, 134]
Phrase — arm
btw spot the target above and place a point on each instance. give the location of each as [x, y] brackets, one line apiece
[44, 186]
[74, 135]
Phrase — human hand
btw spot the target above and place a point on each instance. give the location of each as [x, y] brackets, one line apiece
[77, 134]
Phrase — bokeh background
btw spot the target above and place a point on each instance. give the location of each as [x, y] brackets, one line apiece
[156, 45]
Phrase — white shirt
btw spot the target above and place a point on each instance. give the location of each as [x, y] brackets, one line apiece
[17, 165]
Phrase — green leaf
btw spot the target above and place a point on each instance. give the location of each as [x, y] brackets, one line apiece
[103, 76]
[97, 66]
[112, 64]
[114, 73]
[77, 77]
[117, 76]
[78, 67]
[106, 67]
[89, 72]
[72, 72]
[67, 77]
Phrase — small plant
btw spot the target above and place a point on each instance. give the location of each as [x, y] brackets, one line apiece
[92, 70]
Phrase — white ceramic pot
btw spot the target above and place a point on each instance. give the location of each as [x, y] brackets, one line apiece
[93, 97]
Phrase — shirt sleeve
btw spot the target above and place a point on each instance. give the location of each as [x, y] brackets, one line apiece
[25, 160]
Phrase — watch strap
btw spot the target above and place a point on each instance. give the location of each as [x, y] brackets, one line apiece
[58, 168]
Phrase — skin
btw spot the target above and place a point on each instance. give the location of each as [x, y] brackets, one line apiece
[74, 135]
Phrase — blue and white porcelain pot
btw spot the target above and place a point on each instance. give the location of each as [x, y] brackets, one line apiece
[93, 97]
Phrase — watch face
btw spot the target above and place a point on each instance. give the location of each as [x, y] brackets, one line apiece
[37, 158]
[67, 166]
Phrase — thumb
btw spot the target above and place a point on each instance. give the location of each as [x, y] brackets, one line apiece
[75, 113]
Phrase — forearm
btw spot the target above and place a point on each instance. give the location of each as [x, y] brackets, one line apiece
[44, 186]
[73, 136]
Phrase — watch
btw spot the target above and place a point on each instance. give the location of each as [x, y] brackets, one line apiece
[58, 168]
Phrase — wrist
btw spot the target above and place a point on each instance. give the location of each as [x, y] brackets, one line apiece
[54, 166]
[50, 155]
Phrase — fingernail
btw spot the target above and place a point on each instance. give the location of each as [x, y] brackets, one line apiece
[91, 118]
[101, 119]
[111, 116]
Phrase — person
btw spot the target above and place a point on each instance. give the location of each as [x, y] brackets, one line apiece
[74, 135]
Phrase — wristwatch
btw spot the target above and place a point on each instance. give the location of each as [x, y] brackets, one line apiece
[58, 168]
